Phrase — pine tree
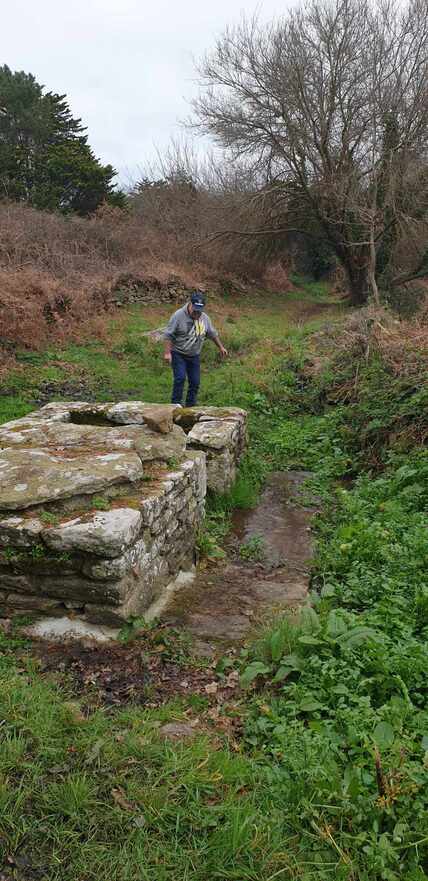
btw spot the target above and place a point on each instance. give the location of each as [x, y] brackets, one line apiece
[45, 158]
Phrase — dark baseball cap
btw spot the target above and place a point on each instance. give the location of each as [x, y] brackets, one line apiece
[197, 300]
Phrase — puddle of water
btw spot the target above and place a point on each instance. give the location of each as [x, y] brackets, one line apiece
[224, 603]
[282, 526]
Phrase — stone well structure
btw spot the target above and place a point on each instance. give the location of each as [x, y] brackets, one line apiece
[100, 504]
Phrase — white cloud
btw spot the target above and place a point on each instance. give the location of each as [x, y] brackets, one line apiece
[125, 65]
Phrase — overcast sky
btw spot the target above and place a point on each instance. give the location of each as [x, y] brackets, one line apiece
[125, 65]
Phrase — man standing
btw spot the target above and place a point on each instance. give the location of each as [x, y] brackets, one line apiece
[184, 338]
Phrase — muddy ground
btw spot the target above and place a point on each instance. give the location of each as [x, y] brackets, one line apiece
[226, 604]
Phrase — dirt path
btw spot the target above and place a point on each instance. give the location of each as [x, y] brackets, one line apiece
[224, 604]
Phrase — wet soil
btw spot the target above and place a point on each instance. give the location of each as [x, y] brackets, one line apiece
[217, 612]
[226, 602]
[148, 671]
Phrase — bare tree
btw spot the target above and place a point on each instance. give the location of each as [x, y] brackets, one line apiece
[332, 102]
[199, 202]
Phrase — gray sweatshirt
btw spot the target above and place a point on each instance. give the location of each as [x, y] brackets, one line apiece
[187, 335]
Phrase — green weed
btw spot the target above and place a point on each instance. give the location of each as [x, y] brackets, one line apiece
[101, 503]
[253, 549]
[211, 535]
[37, 552]
[49, 518]
[347, 686]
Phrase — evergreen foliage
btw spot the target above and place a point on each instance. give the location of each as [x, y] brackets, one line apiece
[45, 158]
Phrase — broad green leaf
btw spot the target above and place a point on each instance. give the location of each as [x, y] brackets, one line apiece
[358, 635]
[309, 621]
[351, 781]
[310, 640]
[336, 626]
[328, 590]
[384, 735]
[425, 742]
[340, 689]
[282, 673]
[257, 668]
[308, 705]
[294, 661]
[276, 643]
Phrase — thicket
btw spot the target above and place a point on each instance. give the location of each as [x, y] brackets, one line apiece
[339, 712]
[58, 274]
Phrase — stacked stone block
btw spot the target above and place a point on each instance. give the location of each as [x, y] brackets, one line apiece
[59, 553]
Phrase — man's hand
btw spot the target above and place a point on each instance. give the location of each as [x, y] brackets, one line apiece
[167, 357]
[223, 352]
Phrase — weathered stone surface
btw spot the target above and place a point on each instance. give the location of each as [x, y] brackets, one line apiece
[139, 592]
[32, 476]
[137, 559]
[152, 446]
[176, 731]
[111, 564]
[43, 563]
[223, 440]
[199, 474]
[214, 434]
[66, 434]
[16, 583]
[65, 629]
[187, 417]
[158, 417]
[83, 590]
[74, 588]
[21, 602]
[221, 471]
[19, 532]
[106, 534]
[62, 411]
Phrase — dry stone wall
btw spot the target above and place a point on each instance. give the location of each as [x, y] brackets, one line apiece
[221, 433]
[131, 288]
[100, 504]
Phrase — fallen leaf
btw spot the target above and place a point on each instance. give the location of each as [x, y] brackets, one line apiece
[232, 680]
[121, 800]
[211, 688]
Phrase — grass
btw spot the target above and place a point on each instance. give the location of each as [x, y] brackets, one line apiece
[132, 365]
[13, 407]
[329, 777]
[343, 718]
[253, 549]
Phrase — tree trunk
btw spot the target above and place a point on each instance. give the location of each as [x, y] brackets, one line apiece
[358, 282]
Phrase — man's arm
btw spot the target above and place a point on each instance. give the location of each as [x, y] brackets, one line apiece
[167, 350]
[168, 338]
[217, 341]
[213, 335]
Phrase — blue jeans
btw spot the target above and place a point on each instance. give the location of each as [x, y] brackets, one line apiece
[182, 366]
